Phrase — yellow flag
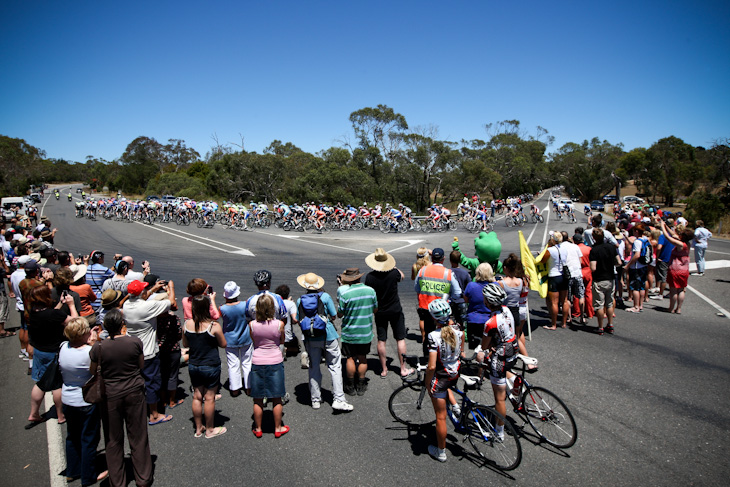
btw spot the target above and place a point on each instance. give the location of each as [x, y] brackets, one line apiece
[536, 273]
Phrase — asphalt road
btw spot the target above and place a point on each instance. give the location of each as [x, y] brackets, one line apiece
[649, 401]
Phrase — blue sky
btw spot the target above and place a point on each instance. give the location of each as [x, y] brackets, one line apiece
[86, 78]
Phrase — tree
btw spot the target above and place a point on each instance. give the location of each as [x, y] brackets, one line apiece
[378, 128]
[671, 162]
[177, 154]
[141, 160]
[20, 166]
[588, 169]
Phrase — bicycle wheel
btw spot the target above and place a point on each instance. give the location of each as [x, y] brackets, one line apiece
[509, 221]
[416, 226]
[410, 405]
[549, 417]
[505, 453]
[452, 225]
[402, 226]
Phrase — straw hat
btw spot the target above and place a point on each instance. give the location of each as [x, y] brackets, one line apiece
[380, 260]
[310, 281]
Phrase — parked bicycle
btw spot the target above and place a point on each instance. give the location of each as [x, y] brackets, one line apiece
[410, 404]
[546, 412]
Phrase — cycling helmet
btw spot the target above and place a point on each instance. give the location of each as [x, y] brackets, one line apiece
[262, 277]
[494, 295]
[440, 310]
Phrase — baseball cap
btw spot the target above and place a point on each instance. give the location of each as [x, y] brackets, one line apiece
[31, 265]
[437, 253]
[23, 260]
[135, 288]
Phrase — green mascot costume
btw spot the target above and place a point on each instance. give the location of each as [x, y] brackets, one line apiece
[487, 247]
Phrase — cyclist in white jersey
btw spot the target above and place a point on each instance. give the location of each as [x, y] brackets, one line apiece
[445, 349]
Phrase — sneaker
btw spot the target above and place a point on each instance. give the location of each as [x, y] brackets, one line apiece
[437, 453]
[316, 404]
[24, 355]
[305, 360]
[609, 330]
[656, 296]
[600, 331]
[499, 432]
[700, 274]
[456, 410]
[342, 406]
[285, 399]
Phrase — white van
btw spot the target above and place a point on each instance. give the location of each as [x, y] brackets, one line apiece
[8, 205]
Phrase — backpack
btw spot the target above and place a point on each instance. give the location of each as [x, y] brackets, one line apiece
[645, 256]
[313, 319]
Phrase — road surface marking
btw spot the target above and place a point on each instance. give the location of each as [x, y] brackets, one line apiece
[56, 453]
[197, 239]
[720, 310]
[711, 264]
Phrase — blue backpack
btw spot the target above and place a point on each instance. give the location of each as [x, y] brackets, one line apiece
[645, 256]
[312, 315]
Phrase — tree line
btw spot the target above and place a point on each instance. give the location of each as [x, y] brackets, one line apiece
[386, 160]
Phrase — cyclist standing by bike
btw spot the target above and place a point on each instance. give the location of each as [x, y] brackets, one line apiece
[500, 341]
[445, 349]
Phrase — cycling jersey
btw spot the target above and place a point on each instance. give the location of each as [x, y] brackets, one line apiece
[448, 362]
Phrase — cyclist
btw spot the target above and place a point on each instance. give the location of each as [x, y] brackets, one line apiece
[407, 213]
[445, 348]
[481, 215]
[587, 210]
[534, 210]
[500, 341]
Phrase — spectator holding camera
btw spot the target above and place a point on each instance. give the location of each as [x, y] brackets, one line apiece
[141, 315]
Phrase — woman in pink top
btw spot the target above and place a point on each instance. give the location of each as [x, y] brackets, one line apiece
[197, 287]
[267, 371]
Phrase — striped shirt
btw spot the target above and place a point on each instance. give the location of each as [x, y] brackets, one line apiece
[96, 274]
[358, 303]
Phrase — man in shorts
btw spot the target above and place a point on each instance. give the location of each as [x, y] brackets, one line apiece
[384, 280]
[604, 258]
[358, 305]
[663, 257]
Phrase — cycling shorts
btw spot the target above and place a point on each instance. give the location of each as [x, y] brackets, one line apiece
[440, 385]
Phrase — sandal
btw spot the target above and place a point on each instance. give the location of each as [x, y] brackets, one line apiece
[198, 435]
[408, 372]
[6, 334]
[632, 310]
[173, 406]
[220, 430]
[163, 419]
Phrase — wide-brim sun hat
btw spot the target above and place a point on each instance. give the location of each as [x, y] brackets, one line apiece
[351, 275]
[79, 272]
[110, 297]
[380, 260]
[310, 281]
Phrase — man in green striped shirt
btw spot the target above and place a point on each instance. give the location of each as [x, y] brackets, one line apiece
[358, 304]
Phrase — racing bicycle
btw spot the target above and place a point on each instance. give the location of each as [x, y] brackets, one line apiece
[410, 404]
